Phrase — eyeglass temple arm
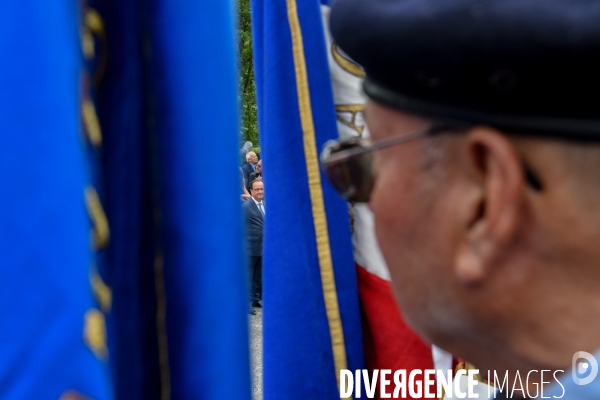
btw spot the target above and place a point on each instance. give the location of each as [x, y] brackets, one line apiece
[380, 144]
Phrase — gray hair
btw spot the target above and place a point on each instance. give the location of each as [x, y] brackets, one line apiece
[248, 155]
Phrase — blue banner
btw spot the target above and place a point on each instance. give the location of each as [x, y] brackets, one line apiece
[53, 331]
[311, 320]
[175, 264]
[194, 92]
[127, 172]
[120, 184]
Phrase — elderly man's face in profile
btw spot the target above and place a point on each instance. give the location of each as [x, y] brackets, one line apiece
[413, 232]
[481, 257]
[252, 159]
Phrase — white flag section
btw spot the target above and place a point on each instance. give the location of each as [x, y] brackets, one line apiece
[441, 358]
[347, 78]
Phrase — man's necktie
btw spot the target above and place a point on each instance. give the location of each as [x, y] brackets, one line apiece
[260, 207]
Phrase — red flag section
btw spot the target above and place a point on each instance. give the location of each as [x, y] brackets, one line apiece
[389, 342]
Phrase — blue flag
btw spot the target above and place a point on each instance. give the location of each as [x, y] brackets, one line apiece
[126, 169]
[121, 193]
[53, 340]
[194, 76]
[169, 114]
[311, 315]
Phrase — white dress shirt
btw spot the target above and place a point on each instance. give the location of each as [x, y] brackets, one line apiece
[259, 204]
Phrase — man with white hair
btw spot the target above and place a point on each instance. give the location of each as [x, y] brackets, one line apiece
[250, 166]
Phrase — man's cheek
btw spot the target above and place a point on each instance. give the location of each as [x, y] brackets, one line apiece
[389, 238]
[386, 223]
[390, 216]
[388, 191]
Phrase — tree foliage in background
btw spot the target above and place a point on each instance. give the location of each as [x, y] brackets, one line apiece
[249, 123]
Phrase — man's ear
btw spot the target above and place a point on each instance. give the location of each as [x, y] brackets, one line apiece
[490, 212]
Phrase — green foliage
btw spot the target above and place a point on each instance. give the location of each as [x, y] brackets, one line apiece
[247, 90]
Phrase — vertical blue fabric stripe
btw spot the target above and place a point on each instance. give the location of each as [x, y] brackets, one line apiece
[126, 170]
[45, 252]
[195, 95]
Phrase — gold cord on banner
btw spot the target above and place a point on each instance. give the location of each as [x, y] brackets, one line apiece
[316, 194]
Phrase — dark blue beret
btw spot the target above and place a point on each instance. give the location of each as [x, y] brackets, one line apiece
[525, 66]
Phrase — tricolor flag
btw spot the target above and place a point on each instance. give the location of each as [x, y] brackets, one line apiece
[300, 71]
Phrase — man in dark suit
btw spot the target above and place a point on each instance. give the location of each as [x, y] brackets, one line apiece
[255, 174]
[250, 166]
[254, 212]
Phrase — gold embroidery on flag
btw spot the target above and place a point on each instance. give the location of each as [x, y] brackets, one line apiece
[345, 63]
[91, 122]
[100, 231]
[87, 44]
[316, 194]
[93, 26]
[353, 109]
[101, 290]
[94, 332]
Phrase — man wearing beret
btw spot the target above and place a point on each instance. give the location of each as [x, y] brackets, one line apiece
[483, 173]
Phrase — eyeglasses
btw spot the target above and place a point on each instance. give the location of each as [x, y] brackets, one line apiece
[348, 164]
